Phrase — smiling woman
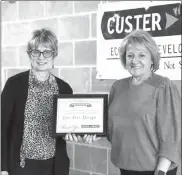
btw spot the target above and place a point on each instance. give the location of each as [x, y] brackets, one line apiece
[28, 147]
[144, 112]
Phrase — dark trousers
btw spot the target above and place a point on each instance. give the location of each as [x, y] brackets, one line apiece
[36, 167]
[128, 172]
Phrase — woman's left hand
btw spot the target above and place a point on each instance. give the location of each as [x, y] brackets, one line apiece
[90, 138]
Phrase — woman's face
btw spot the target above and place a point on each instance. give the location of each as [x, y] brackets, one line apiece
[138, 60]
[43, 61]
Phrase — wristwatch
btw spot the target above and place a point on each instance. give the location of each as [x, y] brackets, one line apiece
[159, 172]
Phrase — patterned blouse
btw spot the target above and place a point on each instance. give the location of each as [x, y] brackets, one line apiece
[37, 142]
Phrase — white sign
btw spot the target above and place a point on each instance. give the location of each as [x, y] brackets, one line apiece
[74, 116]
[80, 114]
[116, 20]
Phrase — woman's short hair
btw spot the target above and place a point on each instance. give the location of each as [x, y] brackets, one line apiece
[144, 38]
[43, 36]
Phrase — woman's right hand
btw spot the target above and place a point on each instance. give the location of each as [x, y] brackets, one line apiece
[72, 137]
[4, 173]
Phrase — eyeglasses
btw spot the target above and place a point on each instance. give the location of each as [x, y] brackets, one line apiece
[45, 53]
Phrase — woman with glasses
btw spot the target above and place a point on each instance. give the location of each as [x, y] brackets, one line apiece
[27, 147]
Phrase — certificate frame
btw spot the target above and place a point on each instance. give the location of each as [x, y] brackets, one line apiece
[58, 117]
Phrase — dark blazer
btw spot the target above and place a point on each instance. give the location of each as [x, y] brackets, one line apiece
[13, 99]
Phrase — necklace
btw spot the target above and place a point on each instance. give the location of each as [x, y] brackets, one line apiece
[40, 84]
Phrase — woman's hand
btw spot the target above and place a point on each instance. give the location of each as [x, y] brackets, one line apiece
[73, 137]
[90, 138]
[163, 164]
[4, 173]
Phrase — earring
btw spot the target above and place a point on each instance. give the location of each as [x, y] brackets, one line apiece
[152, 67]
[53, 66]
[31, 65]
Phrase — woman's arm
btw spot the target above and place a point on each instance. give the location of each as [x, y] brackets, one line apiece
[168, 125]
[6, 110]
[111, 96]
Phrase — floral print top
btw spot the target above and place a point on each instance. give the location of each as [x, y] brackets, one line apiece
[37, 141]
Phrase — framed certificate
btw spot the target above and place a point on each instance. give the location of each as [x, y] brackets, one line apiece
[80, 114]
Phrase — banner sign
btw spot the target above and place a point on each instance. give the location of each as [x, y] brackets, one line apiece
[162, 19]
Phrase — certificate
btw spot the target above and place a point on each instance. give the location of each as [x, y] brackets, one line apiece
[80, 114]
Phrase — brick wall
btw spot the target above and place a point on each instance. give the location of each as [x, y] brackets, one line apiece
[74, 23]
